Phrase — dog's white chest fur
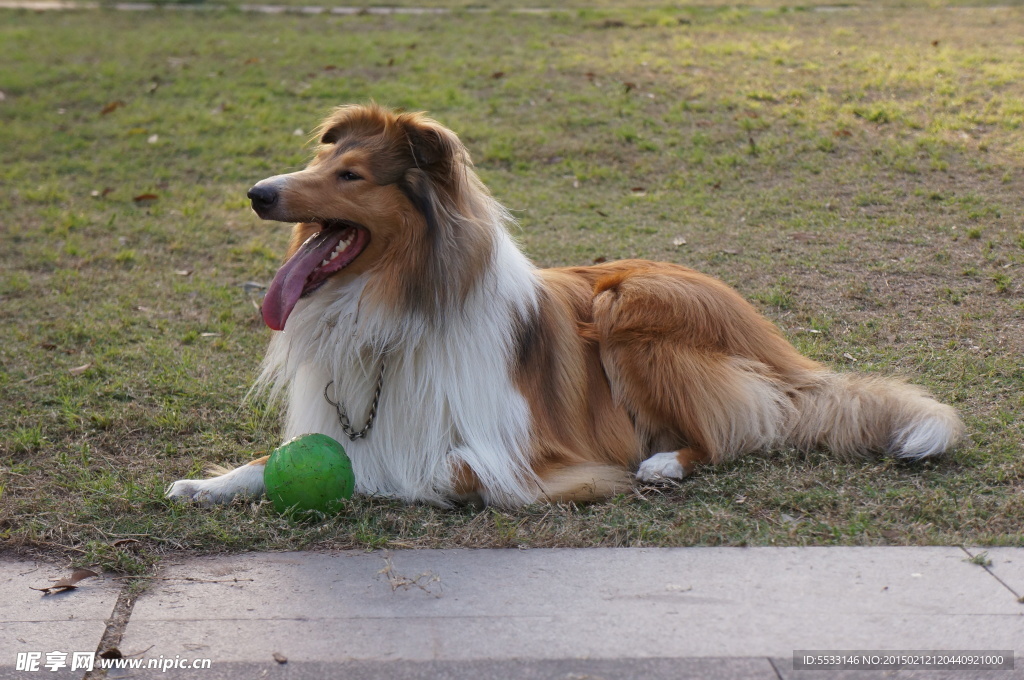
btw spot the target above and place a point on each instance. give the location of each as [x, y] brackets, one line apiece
[447, 398]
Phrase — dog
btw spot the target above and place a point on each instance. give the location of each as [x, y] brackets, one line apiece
[409, 326]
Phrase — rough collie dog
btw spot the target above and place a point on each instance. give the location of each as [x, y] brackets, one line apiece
[411, 328]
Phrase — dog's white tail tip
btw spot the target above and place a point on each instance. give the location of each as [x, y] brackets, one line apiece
[930, 436]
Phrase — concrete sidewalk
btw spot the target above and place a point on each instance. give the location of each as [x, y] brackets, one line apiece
[478, 614]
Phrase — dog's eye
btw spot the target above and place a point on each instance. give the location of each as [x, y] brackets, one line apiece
[348, 176]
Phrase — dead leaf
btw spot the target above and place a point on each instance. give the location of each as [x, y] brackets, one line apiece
[849, 357]
[599, 259]
[329, 67]
[111, 653]
[79, 370]
[731, 251]
[68, 582]
[842, 132]
[628, 86]
[209, 335]
[803, 236]
[124, 542]
[145, 199]
[639, 190]
[183, 272]
[111, 107]
[498, 75]
[253, 60]
[678, 241]
[280, 658]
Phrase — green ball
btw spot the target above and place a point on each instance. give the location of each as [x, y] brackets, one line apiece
[309, 472]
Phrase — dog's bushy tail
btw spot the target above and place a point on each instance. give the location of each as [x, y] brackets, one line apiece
[853, 414]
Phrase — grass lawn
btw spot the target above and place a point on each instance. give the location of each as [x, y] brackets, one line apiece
[856, 173]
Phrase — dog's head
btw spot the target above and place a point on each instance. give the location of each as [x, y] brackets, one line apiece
[388, 193]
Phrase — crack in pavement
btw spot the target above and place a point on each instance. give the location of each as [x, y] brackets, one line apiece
[116, 625]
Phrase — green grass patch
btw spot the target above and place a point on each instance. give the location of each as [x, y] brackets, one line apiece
[858, 180]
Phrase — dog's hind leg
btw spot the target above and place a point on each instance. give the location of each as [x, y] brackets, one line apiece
[701, 373]
[246, 480]
[709, 407]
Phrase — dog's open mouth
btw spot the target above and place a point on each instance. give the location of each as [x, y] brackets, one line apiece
[324, 254]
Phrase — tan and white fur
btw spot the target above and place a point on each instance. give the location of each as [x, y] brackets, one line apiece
[508, 384]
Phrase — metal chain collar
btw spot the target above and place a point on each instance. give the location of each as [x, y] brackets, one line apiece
[346, 425]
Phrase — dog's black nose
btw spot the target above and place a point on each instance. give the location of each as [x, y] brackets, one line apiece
[262, 197]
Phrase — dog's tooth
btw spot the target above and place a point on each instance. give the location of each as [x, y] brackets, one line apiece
[338, 250]
[341, 247]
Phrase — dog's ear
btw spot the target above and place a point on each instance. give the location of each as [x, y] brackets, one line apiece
[436, 172]
[330, 135]
[434, 148]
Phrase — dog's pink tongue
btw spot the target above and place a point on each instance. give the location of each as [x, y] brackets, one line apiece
[290, 281]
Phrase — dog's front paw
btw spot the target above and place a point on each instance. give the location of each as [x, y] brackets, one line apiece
[661, 466]
[188, 490]
[243, 481]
